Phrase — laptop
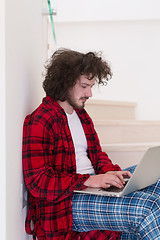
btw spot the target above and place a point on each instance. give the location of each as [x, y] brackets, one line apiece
[146, 173]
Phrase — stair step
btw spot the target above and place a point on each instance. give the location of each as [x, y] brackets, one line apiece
[127, 154]
[129, 131]
[102, 109]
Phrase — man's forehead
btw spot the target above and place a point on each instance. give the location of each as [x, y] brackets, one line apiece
[84, 80]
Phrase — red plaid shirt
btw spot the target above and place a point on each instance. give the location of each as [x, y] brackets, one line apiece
[49, 168]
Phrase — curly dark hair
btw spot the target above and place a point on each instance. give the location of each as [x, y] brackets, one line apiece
[66, 66]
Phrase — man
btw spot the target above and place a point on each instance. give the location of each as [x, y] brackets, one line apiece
[61, 153]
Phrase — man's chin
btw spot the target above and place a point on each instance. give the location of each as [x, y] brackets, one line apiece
[80, 106]
[77, 105]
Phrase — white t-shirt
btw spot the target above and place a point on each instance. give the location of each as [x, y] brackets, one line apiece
[83, 163]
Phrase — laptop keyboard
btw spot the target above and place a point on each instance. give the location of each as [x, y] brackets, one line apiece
[114, 189]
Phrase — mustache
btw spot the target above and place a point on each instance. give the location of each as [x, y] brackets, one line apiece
[84, 98]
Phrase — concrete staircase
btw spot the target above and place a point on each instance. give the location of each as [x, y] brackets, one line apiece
[124, 138]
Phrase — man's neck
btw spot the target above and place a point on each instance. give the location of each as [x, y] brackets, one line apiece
[66, 106]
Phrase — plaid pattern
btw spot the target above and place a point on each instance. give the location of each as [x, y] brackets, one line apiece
[49, 168]
[136, 215]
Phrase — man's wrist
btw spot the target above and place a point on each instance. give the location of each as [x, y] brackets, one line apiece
[88, 181]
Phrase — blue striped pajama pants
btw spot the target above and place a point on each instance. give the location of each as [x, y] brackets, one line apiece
[136, 215]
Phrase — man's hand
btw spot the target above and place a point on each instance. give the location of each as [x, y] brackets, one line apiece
[114, 178]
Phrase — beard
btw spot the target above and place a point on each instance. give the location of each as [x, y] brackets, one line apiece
[74, 104]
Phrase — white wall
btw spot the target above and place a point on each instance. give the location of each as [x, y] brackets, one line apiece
[105, 10]
[131, 46]
[24, 53]
[2, 125]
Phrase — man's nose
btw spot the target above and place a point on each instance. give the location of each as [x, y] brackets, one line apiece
[89, 93]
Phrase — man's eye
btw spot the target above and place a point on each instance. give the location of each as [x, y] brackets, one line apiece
[83, 86]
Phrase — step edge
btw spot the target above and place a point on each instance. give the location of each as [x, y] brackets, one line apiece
[127, 147]
[110, 103]
[125, 122]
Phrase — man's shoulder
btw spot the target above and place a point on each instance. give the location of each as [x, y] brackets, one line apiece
[42, 114]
